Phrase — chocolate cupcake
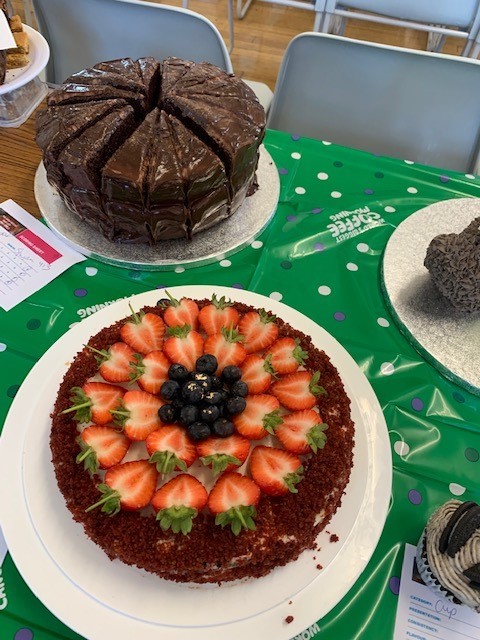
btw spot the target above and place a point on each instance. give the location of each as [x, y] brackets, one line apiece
[448, 553]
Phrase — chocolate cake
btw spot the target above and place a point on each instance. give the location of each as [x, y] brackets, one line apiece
[183, 160]
[290, 504]
[3, 65]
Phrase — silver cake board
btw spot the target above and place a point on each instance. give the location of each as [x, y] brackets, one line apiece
[211, 245]
[446, 337]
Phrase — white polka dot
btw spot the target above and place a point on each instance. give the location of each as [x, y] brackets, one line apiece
[257, 244]
[456, 489]
[383, 322]
[91, 271]
[387, 368]
[225, 263]
[3, 346]
[336, 194]
[300, 190]
[322, 176]
[412, 190]
[323, 290]
[276, 295]
[363, 247]
[470, 176]
[326, 143]
[389, 209]
[351, 266]
[401, 448]
[408, 161]
[179, 269]
[296, 155]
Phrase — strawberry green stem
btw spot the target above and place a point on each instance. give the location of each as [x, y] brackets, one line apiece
[84, 454]
[77, 406]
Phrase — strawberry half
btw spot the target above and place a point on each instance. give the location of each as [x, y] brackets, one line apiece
[170, 448]
[223, 454]
[137, 413]
[129, 486]
[286, 355]
[116, 363]
[257, 373]
[218, 315]
[94, 401]
[298, 390]
[233, 500]
[101, 447]
[144, 332]
[260, 417]
[180, 312]
[151, 371]
[226, 347]
[259, 330]
[183, 346]
[302, 432]
[275, 471]
[178, 502]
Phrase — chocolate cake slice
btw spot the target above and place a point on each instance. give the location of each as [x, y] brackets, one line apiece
[173, 69]
[126, 67]
[150, 71]
[101, 77]
[75, 93]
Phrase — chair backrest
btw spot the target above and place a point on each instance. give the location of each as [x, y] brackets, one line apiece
[83, 32]
[388, 100]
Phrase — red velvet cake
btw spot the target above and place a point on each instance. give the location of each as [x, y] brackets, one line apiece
[202, 440]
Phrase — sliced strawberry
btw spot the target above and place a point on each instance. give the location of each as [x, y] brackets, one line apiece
[129, 486]
[170, 448]
[233, 500]
[180, 312]
[178, 502]
[257, 373]
[151, 371]
[259, 330]
[116, 363]
[298, 390]
[183, 346]
[286, 355]
[137, 413]
[302, 432]
[144, 332]
[260, 417]
[223, 454]
[226, 347]
[94, 401]
[217, 315]
[275, 471]
[101, 447]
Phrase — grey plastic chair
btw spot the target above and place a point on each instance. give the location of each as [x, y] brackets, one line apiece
[388, 100]
[83, 32]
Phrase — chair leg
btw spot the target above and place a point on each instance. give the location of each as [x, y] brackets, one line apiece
[435, 42]
[185, 4]
[317, 25]
[243, 8]
[475, 50]
[327, 21]
[231, 35]
[338, 25]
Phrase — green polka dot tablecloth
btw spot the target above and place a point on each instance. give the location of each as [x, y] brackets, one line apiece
[321, 255]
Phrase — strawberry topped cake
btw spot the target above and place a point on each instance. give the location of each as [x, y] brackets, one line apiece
[202, 440]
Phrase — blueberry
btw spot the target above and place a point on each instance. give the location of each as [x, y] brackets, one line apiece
[203, 380]
[209, 413]
[198, 431]
[167, 413]
[164, 303]
[213, 397]
[231, 373]
[178, 372]
[206, 364]
[192, 391]
[177, 404]
[222, 428]
[239, 388]
[235, 404]
[188, 414]
[217, 383]
[169, 389]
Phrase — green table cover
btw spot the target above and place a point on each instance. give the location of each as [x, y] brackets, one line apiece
[326, 264]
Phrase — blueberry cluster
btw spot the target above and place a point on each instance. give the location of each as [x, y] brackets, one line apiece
[201, 401]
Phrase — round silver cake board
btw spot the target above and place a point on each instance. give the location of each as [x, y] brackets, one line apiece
[446, 337]
[211, 245]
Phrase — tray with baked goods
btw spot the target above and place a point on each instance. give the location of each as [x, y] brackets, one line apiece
[24, 63]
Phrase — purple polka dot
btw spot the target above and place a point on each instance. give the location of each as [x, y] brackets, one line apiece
[12, 391]
[338, 315]
[317, 210]
[237, 285]
[160, 286]
[318, 246]
[394, 584]
[414, 496]
[338, 164]
[379, 174]
[472, 454]
[80, 293]
[291, 218]
[283, 171]
[369, 192]
[295, 137]
[286, 264]
[458, 397]
[417, 404]
[23, 634]
[444, 179]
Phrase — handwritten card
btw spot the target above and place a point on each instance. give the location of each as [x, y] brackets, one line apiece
[423, 615]
[31, 256]
[7, 41]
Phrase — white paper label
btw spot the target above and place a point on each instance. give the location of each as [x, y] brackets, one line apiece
[7, 41]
